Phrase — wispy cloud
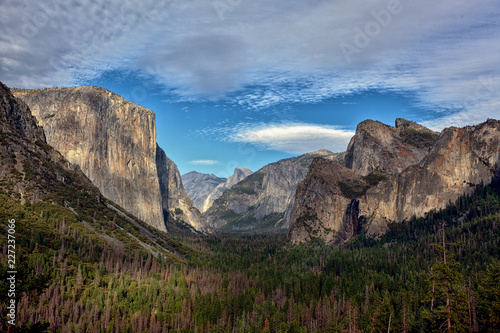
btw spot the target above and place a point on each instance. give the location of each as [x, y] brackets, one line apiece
[204, 162]
[265, 52]
[293, 138]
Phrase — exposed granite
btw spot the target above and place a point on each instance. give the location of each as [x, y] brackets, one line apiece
[112, 140]
[379, 148]
[324, 205]
[457, 161]
[174, 198]
[199, 186]
[30, 169]
[262, 202]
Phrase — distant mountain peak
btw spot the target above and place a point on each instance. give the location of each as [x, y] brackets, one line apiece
[262, 202]
[204, 188]
[380, 148]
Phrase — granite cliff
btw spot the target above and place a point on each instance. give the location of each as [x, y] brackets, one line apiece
[238, 175]
[199, 186]
[383, 149]
[379, 190]
[459, 160]
[174, 198]
[204, 189]
[262, 202]
[30, 169]
[52, 199]
[324, 203]
[113, 141]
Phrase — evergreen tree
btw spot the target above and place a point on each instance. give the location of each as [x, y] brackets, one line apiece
[489, 298]
[449, 304]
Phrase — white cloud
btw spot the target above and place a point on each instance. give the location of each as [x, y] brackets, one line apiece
[294, 138]
[204, 162]
[270, 52]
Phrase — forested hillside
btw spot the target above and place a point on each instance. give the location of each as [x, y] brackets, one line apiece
[73, 280]
[85, 265]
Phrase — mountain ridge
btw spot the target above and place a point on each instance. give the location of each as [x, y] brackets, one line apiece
[262, 202]
[204, 189]
[457, 160]
[113, 141]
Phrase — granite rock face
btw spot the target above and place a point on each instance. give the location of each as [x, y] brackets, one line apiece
[325, 205]
[16, 116]
[199, 186]
[30, 169]
[112, 140]
[383, 149]
[263, 201]
[238, 175]
[457, 161]
[204, 189]
[173, 195]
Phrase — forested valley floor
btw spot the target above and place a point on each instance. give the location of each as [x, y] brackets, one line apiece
[88, 271]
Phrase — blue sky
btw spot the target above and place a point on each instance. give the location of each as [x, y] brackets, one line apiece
[240, 83]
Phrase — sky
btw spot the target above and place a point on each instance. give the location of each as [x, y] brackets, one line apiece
[242, 83]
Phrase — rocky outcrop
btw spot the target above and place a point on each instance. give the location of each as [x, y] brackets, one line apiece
[262, 202]
[16, 116]
[325, 205]
[112, 140]
[199, 186]
[238, 175]
[204, 189]
[30, 169]
[460, 159]
[174, 198]
[382, 149]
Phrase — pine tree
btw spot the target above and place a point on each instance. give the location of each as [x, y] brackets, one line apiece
[489, 298]
[449, 308]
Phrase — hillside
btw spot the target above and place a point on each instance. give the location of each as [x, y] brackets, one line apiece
[262, 202]
[68, 237]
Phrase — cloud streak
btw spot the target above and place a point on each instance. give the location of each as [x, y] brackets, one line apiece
[204, 162]
[295, 138]
[263, 53]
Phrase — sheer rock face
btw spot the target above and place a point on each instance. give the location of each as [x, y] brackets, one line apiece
[16, 116]
[29, 168]
[238, 175]
[379, 148]
[174, 197]
[204, 189]
[199, 186]
[324, 206]
[460, 159]
[112, 140]
[263, 199]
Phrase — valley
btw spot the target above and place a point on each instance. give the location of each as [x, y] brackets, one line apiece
[110, 237]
